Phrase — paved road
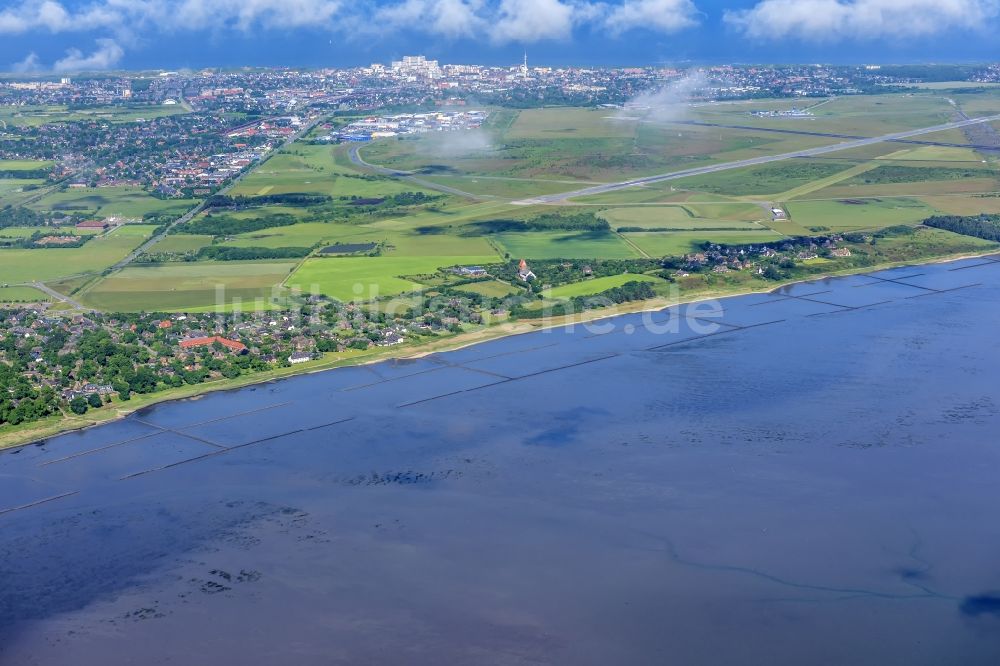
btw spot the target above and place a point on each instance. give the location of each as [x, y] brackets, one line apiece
[409, 175]
[59, 297]
[833, 135]
[754, 161]
[188, 216]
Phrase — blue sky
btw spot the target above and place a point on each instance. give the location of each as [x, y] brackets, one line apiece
[71, 35]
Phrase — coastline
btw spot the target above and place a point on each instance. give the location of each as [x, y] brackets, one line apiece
[34, 433]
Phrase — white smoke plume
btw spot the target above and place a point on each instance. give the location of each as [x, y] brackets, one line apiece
[670, 103]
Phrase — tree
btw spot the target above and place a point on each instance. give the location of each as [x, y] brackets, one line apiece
[94, 400]
[78, 405]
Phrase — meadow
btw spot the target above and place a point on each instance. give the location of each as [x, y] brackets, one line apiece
[20, 266]
[364, 278]
[36, 116]
[674, 243]
[188, 286]
[849, 214]
[598, 285]
[129, 202]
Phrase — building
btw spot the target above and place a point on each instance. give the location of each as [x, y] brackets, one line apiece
[93, 224]
[299, 357]
[524, 272]
[207, 341]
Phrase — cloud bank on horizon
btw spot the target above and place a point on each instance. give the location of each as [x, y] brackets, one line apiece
[109, 27]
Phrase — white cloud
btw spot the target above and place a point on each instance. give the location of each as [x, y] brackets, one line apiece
[171, 15]
[449, 18]
[534, 20]
[30, 64]
[107, 55]
[832, 20]
[499, 21]
[660, 15]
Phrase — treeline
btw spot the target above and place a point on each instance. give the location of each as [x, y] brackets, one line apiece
[32, 242]
[225, 225]
[982, 226]
[294, 199]
[21, 217]
[586, 222]
[889, 173]
[628, 292]
[555, 272]
[225, 253]
[26, 174]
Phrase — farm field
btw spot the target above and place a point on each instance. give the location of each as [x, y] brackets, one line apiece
[673, 243]
[35, 116]
[110, 201]
[597, 285]
[17, 266]
[722, 216]
[188, 285]
[364, 278]
[24, 165]
[314, 170]
[847, 214]
[181, 243]
[304, 234]
[492, 288]
[22, 295]
[564, 245]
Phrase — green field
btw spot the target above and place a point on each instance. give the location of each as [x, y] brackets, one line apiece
[850, 214]
[315, 170]
[686, 217]
[304, 234]
[25, 165]
[363, 278]
[35, 116]
[188, 285]
[564, 245]
[111, 201]
[17, 266]
[673, 243]
[491, 288]
[597, 285]
[22, 295]
[181, 243]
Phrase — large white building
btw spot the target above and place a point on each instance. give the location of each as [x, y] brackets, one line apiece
[417, 66]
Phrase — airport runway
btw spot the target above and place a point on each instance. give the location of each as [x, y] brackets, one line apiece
[754, 161]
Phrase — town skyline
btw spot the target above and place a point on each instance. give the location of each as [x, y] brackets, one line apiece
[50, 36]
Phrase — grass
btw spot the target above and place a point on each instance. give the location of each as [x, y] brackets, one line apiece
[25, 165]
[181, 243]
[564, 245]
[364, 278]
[35, 116]
[762, 180]
[17, 266]
[597, 285]
[673, 243]
[314, 169]
[187, 286]
[121, 201]
[492, 288]
[22, 295]
[840, 215]
[684, 217]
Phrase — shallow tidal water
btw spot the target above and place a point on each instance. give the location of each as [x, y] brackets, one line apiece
[812, 477]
